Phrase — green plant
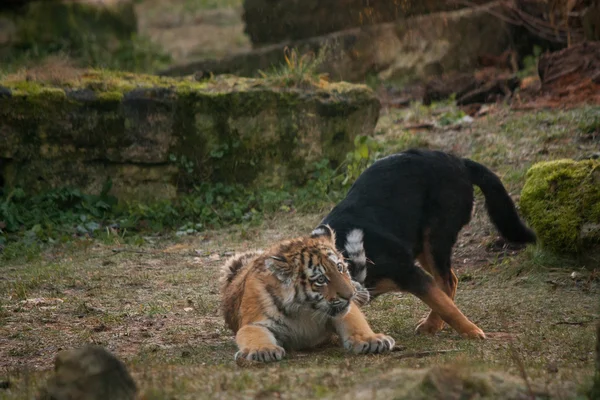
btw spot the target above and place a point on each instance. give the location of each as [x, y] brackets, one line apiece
[365, 149]
[590, 127]
[50, 217]
[530, 63]
[299, 69]
[27, 222]
[138, 54]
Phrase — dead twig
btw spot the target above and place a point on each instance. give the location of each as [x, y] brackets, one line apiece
[421, 354]
[424, 125]
[577, 323]
[116, 251]
[516, 357]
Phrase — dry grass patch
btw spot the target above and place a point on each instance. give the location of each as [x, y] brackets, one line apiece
[156, 306]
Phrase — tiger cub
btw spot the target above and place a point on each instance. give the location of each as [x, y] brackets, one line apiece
[295, 296]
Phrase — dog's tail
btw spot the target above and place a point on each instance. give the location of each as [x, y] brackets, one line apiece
[499, 205]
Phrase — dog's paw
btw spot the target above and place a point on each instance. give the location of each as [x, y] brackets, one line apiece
[428, 326]
[364, 344]
[262, 354]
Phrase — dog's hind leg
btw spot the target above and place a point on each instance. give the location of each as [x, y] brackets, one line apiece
[415, 280]
[401, 274]
[443, 305]
[439, 267]
[433, 322]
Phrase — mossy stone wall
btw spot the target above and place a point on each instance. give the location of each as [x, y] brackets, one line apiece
[154, 136]
[561, 201]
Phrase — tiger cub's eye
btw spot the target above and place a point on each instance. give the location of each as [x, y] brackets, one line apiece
[321, 280]
[340, 267]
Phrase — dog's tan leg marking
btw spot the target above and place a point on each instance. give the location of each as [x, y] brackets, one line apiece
[384, 286]
[358, 337]
[433, 323]
[442, 304]
[257, 343]
[453, 284]
[439, 299]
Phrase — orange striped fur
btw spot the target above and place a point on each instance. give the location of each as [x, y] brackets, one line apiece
[295, 295]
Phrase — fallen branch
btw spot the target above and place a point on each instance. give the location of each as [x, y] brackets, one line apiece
[578, 323]
[116, 251]
[425, 125]
[421, 354]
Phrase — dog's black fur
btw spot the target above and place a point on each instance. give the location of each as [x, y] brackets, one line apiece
[412, 203]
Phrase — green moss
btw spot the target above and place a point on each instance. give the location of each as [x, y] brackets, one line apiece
[227, 129]
[49, 94]
[117, 81]
[20, 87]
[110, 96]
[561, 200]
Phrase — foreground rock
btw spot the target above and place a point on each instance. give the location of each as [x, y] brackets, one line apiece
[561, 201]
[89, 373]
[408, 49]
[152, 136]
[446, 383]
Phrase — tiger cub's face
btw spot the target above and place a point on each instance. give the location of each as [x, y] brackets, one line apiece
[319, 274]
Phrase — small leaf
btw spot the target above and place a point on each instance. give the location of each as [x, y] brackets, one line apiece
[363, 150]
[106, 187]
[92, 226]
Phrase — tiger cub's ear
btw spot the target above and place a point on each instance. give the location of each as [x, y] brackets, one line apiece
[325, 232]
[280, 267]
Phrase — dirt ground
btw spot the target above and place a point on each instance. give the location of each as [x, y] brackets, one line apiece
[156, 306]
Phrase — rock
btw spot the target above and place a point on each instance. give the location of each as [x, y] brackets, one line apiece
[274, 21]
[405, 50]
[154, 136]
[67, 26]
[89, 373]
[441, 382]
[561, 201]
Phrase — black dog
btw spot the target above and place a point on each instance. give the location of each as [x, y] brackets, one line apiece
[412, 205]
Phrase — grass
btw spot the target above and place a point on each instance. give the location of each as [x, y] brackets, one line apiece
[298, 69]
[156, 304]
[158, 309]
[150, 296]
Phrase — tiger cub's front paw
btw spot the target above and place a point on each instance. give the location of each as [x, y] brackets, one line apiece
[263, 354]
[365, 344]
